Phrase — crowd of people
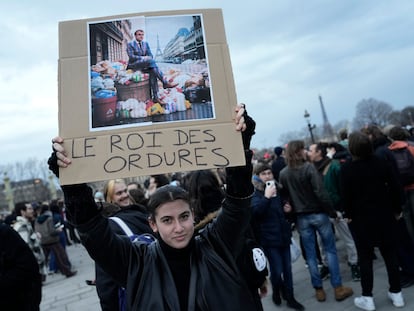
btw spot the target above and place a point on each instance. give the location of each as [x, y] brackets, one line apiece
[189, 233]
[359, 189]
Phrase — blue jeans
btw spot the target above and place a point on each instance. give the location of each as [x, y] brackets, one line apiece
[280, 265]
[308, 224]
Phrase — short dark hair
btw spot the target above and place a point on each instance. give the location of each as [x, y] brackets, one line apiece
[321, 146]
[166, 194]
[261, 167]
[398, 133]
[360, 146]
[161, 180]
[19, 207]
[343, 134]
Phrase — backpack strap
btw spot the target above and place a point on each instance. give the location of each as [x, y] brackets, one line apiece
[123, 225]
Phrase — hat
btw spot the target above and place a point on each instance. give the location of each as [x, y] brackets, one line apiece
[278, 151]
[260, 167]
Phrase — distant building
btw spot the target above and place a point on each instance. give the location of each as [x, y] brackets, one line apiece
[31, 190]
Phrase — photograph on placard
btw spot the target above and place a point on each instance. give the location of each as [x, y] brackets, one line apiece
[146, 70]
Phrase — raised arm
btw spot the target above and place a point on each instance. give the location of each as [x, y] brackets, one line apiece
[235, 216]
[110, 251]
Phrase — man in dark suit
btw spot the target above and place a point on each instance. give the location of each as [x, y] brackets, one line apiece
[141, 58]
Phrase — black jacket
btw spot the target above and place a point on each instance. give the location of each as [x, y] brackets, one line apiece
[20, 280]
[215, 282]
[306, 191]
[371, 195]
[106, 287]
[144, 271]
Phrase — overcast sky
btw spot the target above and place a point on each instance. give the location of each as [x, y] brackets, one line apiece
[283, 53]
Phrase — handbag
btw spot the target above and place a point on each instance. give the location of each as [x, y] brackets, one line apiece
[295, 251]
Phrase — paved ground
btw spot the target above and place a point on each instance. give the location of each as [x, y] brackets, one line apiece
[60, 293]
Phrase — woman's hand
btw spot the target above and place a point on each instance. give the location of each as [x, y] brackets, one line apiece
[62, 159]
[245, 124]
[239, 120]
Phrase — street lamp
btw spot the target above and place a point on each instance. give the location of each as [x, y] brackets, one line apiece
[310, 127]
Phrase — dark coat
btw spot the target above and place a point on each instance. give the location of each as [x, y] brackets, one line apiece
[371, 194]
[277, 166]
[106, 287]
[271, 226]
[215, 281]
[20, 280]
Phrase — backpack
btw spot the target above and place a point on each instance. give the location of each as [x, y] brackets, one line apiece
[405, 164]
[145, 237]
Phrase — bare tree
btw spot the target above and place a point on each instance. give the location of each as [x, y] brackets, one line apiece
[372, 111]
[407, 116]
[395, 118]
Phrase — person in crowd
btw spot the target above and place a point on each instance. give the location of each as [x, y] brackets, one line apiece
[57, 221]
[137, 193]
[20, 280]
[330, 171]
[274, 233]
[23, 226]
[337, 151]
[206, 192]
[135, 217]
[380, 143]
[141, 58]
[411, 134]
[49, 238]
[343, 137]
[72, 236]
[370, 190]
[179, 271]
[10, 219]
[405, 244]
[400, 141]
[312, 207]
[278, 163]
[155, 182]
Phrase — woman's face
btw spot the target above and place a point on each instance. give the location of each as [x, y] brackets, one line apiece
[121, 196]
[174, 221]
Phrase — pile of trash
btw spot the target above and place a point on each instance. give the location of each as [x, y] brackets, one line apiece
[106, 75]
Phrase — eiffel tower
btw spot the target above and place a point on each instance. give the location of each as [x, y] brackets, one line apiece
[158, 53]
[328, 133]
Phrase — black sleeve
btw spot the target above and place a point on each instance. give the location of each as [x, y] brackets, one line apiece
[80, 204]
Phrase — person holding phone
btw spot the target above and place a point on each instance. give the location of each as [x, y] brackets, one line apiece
[274, 234]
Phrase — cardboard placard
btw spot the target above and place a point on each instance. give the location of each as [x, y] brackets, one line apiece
[108, 115]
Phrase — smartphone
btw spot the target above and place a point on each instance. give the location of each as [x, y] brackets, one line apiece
[269, 184]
